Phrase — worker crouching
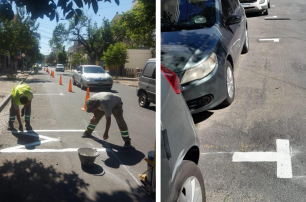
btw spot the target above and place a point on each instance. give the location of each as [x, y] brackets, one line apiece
[106, 103]
[21, 95]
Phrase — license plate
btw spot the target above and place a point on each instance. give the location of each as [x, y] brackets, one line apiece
[246, 4]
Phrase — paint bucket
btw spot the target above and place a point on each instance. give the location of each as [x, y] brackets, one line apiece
[87, 156]
[150, 168]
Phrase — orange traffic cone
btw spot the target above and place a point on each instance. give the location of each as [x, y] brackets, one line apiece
[86, 98]
[53, 74]
[70, 86]
[60, 81]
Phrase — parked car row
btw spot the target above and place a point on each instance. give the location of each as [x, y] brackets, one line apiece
[201, 42]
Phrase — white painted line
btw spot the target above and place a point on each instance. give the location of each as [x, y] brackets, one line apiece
[268, 40]
[64, 131]
[272, 17]
[45, 150]
[281, 156]
[49, 94]
[273, 6]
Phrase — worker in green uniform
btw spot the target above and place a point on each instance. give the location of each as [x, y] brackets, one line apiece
[21, 95]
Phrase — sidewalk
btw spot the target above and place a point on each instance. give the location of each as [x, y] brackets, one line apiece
[122, 80]
[7, 84]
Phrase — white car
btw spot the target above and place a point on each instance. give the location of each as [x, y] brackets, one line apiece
[256, 6]
[60, 67]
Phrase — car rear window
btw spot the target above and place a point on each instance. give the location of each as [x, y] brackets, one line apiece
[60, 65]
[149, 70]
[94, 70]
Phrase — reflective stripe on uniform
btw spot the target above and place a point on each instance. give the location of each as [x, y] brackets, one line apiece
[91, 126]
[27, 118]
[12, 118]
[125, 133]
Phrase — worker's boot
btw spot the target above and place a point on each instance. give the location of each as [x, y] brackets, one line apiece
[28, 126]
[11, 125]
[127, 144]
[87, 133]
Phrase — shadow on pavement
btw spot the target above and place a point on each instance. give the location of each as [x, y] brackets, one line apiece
[254, 15]
[118, 155]
[94, 170]
[202, 116]
[153, 108]
[65, 74]
[101, 90]
[30, 180]
[37, 81]
[23, 139]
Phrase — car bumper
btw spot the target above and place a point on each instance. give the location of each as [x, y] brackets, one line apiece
[60, 70]
[212, 86]
[102, 84]
[255, 7]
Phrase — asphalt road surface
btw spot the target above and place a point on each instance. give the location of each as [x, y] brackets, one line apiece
[44, 166]
[267, 117]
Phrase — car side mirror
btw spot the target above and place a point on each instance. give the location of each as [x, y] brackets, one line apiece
[234, 19]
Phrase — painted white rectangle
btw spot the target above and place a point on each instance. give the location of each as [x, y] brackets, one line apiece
[255, 157]
[268, 40]
[272, 17]
[45, 150]
[64, 131]
[49, 94]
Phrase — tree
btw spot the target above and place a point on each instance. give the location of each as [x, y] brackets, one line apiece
[77, 59]
[116, 55]
[59, 36]
[49, 8]
[51, 58]
[140, 23]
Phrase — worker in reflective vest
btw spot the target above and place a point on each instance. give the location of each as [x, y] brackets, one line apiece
[21, 95]
[106, 103]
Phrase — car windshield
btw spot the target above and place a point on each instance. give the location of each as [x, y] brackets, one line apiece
[187, 14]
[93, 70]
[60, 65]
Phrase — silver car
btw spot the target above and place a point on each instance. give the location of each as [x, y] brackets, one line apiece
[59, 67]
[181, 178]
[92, 76]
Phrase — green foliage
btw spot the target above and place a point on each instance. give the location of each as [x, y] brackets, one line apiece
[116, 55]
[59, 36]
[140, 23]
[77, 59]
[62, 56]
[51, 58]
[49, 8]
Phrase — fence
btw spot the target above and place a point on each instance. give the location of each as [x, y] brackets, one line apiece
[131, 73]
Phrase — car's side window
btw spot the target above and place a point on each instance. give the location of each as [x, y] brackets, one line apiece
[226, 8]
[149, 70]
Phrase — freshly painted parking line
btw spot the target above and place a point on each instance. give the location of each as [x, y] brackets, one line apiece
[49, 94]
[281, 156]
[269, 40]
[12, 150]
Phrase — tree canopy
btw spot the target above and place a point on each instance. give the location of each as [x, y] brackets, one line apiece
[49, 8]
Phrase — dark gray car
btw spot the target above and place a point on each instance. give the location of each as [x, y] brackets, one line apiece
[146, 90]
[181, 178]
[201, 43]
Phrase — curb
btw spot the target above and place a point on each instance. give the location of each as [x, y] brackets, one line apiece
[8, 97]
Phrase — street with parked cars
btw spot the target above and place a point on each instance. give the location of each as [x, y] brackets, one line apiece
[240, 68]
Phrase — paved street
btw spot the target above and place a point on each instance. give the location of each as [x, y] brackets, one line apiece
[269, 106]
[45, 165]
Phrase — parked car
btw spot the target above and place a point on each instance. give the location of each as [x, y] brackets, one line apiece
[92, 76]
[201, 43]
[39, 66]
[146, 90]
[256, 6]
[46, 65]
[60, 67]
[181, 178]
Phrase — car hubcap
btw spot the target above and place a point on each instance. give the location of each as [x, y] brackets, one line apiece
[230, 82]
[142, 99]
[191, 191]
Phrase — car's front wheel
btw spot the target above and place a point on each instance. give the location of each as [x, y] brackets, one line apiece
[230, 84]
[266, 12]
[143, 100]
[188, 184]
[82, 85]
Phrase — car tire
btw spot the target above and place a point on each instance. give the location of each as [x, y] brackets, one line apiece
[143, 100]
[230, 84]
[82, 85]
[269, 5]
[246, 44]
[188, 176]
[73, 81]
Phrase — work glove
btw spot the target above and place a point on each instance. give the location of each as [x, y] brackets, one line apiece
[22, 112]
[20, 128]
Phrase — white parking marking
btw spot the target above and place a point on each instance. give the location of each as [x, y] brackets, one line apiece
[49, 94]
[273, 6]
[64, 131]
[11, 150]
[272, 17]
[281, 156]
[268, 40]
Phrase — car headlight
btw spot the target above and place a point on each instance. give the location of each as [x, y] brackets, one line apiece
[262, 1]
[201, 70]
[110, 78]
[86, 78]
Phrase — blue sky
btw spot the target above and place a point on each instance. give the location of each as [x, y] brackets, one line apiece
[106, 9]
